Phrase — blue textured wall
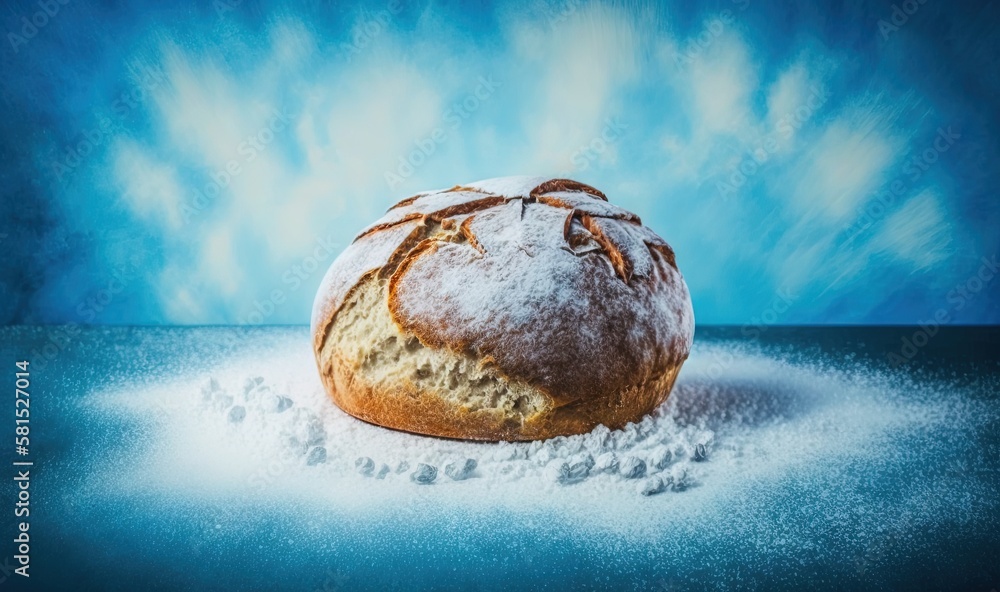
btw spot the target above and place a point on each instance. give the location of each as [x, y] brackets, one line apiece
[821, 163]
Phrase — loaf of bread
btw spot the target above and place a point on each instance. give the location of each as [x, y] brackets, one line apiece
[517, 308]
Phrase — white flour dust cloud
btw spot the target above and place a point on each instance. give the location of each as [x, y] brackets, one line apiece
[741, 424]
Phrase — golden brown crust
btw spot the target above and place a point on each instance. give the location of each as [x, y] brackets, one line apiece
[388, 225]
[548, 354]
[613, 249]
[405, 202]
[466, 230]
[403, 250]
[566, 185]
[468, 207]
[604, 345]
[407, 408]
[346, 274]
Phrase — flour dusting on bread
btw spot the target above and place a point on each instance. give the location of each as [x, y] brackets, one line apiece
[513, 308]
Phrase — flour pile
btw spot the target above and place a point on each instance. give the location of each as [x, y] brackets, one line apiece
[742, 426]
[653, 456]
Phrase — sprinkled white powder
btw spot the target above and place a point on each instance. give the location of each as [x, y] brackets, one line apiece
[739, 423]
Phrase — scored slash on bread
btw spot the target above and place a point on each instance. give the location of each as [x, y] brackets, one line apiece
[596, 335]
[442, 207]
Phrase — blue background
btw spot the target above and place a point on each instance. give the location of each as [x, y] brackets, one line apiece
[809, 163]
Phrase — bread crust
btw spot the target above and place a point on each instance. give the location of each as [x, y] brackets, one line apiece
[559, 293]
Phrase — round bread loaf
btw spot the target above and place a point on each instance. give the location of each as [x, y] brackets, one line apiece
[517, 308]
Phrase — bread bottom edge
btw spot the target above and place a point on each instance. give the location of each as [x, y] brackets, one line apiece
[427, 413]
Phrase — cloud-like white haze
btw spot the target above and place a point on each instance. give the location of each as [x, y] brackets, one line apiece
[265, 154]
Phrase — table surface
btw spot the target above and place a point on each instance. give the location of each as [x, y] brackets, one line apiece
[834, 458]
